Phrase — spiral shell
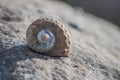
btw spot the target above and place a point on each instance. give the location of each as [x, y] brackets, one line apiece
[49, 36]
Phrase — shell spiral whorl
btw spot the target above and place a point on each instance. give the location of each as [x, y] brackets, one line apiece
[49, 37]
[46, 40]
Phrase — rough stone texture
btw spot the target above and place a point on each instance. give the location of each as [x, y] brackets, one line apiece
[95, 44]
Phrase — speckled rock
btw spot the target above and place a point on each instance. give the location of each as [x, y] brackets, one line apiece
[95, 44]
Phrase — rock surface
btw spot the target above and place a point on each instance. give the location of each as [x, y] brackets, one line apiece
[95, 44]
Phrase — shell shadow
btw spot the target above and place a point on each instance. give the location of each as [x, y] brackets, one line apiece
[10, 57]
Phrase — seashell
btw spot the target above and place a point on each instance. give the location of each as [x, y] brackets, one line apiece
[49, 36]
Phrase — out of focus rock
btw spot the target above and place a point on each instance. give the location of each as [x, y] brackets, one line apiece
[107, 9]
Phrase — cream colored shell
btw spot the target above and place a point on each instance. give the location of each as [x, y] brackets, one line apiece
[62, 45]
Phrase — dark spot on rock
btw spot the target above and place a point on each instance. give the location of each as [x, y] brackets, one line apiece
[101, 66]
[11, 18]
[75, 66]
[8, 15]
[105, 73]
[59, 74]
[17, 31]
[75, 26]
[105, 70]
[116, 74]
[40, 11]
[6, 18]
[1, 47]
[8, 30]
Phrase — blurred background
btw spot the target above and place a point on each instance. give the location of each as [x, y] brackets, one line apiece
[107, 9]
